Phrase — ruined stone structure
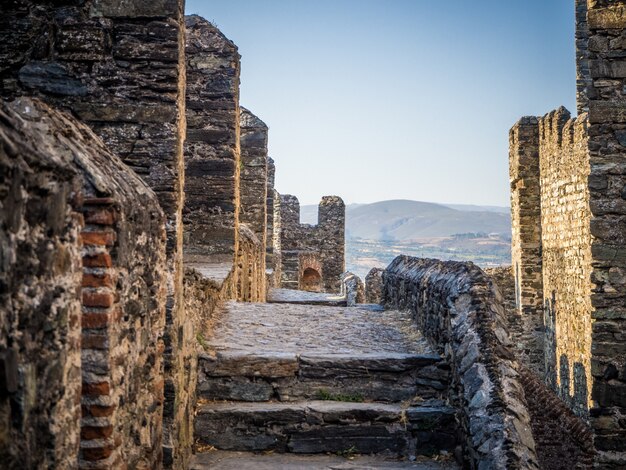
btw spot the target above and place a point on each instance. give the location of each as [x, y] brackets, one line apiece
[567, 193]
[312, 256]
[99, 224]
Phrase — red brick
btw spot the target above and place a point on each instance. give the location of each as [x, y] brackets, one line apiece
[97, 280]
[98, 238]
[94, 341]
[100, 388]
[97, 299]
[96, 432]
[98, 260]
[98, 453]
[100, 217]
[98, 411]
[95, 320]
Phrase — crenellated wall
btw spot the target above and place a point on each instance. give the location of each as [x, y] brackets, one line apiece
[566, 243]
[326, 240]
[212, 146]
[583, 216]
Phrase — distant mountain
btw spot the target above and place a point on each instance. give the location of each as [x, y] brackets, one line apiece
[403, 220]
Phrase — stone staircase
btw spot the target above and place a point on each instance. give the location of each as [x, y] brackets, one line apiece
[283, 378]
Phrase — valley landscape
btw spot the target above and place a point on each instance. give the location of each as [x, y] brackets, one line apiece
[376, 233]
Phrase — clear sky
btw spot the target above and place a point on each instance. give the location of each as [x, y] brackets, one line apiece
[397, 99]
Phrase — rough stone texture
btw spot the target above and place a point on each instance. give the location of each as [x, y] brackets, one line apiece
[40, 276]
[583, 76]
[526, 332]
[119, 66]
[272, 237]
[250, 272]
[566, 248]
[459, 310]
[295, 328]
[212, 147]
[223, 460]
[292, 296]
[607, 180]
[374, 286]
[324, 242]
[123, 292]
[312, 427]
[253, 193]
[352, 288]
[563, 440]
[526, 241]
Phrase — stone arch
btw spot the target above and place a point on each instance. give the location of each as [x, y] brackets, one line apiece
[311, 280]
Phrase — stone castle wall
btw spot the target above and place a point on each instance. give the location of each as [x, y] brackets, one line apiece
[326, 240]
[566, 242]
[583, 217]
[212, 146]
[606, 21]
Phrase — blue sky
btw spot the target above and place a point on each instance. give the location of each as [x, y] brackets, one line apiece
[398, 99]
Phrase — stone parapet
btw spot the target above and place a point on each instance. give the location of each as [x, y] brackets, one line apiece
[459, 309]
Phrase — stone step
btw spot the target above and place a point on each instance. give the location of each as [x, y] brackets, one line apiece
[312, 427]
[385, 377]
[223, 460]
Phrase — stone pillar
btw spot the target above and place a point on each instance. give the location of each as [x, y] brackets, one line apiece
[332, 241]
[212, 148]
[526, 240]
[607, 192]
[269, 232]
[253, 191]
[374, 286]
[291, 240]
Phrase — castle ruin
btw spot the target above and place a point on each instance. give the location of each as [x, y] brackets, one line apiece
[162, 306]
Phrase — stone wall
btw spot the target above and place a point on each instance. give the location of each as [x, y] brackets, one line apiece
[212, 147]
[352, 288]
[253, 189]
[123, 296]
[40, 277]
[460, 311]
[327, 239]
[275, 261]
[607, 201]
[118, 66]
[566, 243]
[374, 286]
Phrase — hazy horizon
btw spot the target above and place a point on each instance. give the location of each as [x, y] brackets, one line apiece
[373, 100]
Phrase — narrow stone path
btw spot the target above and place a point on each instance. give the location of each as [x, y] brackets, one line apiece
[284, 385]
[292, 296]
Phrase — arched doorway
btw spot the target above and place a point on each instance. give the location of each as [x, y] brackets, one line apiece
[311, 280]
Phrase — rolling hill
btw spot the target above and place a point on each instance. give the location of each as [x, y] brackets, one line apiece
[404, 220]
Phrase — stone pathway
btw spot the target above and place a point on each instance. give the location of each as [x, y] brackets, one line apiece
[315, 329]
[292, 296]
[220, 460]
[295, 385]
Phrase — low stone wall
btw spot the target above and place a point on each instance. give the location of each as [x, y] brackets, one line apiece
[353, 289]
[459, 309]
[374, 286]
